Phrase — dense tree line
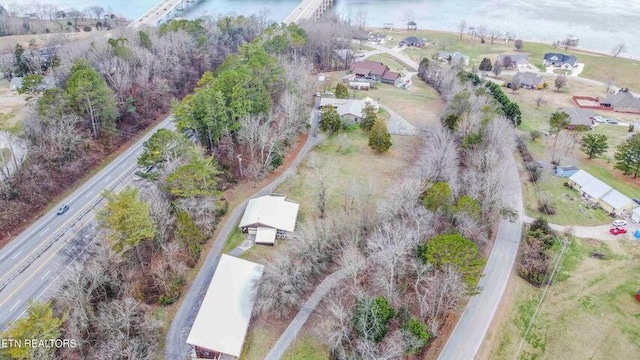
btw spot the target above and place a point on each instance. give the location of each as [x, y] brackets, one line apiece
[108, 90]
[534, 261]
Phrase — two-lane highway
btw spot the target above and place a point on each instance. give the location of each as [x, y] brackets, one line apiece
[30, 265]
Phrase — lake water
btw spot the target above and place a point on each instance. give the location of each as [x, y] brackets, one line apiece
[600, 24]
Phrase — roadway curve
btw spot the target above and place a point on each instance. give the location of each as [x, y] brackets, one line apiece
[32, 262]
[465, 340]
[176, 341]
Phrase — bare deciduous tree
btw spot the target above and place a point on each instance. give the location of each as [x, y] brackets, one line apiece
[494, 34]
[540, 100]
[447, 288]
[482, 33]
[618, 49]
[462, 27]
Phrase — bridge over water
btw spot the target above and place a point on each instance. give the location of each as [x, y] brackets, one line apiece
[163, 12]
[309, 9]
[168, 10]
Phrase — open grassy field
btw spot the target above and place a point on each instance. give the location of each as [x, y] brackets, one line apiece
[393, 63]
[589, 312]
[420, 105]
[599, 67]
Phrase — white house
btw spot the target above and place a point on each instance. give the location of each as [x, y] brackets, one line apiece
[350, 110]
[221, 324]
[269, 217]
[615, 202]
[588, 185]
[592, 188]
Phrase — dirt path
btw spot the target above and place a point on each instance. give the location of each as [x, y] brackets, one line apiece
[290, 334]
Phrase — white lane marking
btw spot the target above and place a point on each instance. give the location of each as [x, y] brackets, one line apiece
[16, 255]
[14, 306]
[45, 289]
[89, 194]
[44, 231]
[45, 275]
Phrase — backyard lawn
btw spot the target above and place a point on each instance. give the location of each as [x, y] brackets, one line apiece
[393, 63]
[589, 311]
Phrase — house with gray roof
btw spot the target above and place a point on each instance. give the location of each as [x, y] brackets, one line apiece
[528, 80]
[513, 60]
[563, 61]
[451, 57]
[579, 117]
[412, 41]
[351, 111]
[622, 101]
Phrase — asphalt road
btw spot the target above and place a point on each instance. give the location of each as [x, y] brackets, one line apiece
[176, 341]
[467, 336]
[31, 263]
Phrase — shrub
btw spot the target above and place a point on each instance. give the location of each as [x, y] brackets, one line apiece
[415, 335]
[546, 207]
[458, 251]
[371, 318]
[534, 262]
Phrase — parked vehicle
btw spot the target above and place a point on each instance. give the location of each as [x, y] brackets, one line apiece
[611, 121]
[599, 119]
[619, 222]
[63, 209]
[637, 201]
[617, 231]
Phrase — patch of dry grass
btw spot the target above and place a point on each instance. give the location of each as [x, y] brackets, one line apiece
[592, 314]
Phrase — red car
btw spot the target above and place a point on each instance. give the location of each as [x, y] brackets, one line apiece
[617, 230]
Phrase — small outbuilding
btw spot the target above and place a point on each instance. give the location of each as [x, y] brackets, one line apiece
[411, 25]
[566, 171]
[221, 325]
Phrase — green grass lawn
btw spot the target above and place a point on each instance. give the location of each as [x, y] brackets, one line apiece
[393, 63]
[306, 347]
[589, 312]
[235, 238]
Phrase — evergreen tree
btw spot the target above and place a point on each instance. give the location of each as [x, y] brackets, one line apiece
[594, 145]
[41, 324]
[379, 137]
[341, 91]
[126, 218]
[628, 156]
[457, 251]
[370, 117]
[330, 120]
[20, 66]
[87, 92]
[438, 196]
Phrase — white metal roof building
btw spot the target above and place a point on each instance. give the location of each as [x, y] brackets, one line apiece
[589, 185]
[596, 189]
[615, 202]
[270, 211]
[221, 325]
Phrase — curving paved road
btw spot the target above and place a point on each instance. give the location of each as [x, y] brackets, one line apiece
[32, 262]
[176, 345]
[467, 336]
